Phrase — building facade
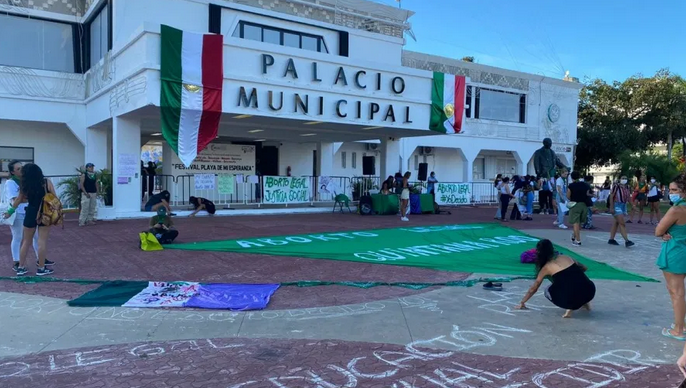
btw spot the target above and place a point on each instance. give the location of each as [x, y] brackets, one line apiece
[310, 89]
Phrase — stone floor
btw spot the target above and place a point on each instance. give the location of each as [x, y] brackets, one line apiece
[332, 336]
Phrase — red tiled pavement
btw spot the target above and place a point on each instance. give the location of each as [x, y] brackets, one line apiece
[261, 363]
[109, 250]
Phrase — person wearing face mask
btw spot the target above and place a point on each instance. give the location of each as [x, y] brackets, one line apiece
[639, 198]
[617, 201]
[672, 258]
[497, 183]
[654, 200]
[561, 198]
[431, 187]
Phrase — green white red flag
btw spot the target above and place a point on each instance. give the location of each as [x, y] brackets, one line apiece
[447, 103]
[191, 77]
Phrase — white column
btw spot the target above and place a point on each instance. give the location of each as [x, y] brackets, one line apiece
[390, 158]
[523, 156]
[325, 158]
[97, 151]
[126, 141]
[468, 157]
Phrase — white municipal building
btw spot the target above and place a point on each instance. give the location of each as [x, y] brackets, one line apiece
[80, 83]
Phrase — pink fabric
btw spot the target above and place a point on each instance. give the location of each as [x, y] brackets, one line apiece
[528, 256]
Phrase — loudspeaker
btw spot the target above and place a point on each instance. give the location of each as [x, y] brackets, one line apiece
[423, 170]
[368, 165]
[365, 206]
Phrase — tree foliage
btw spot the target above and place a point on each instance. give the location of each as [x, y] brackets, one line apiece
[629, 116]
[649, 163]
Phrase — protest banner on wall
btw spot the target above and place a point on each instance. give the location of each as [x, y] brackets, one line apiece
[204, 181]
[226, 184]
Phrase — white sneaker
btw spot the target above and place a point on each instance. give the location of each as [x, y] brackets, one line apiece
[562, 226]
[555, 223]
[404, 219]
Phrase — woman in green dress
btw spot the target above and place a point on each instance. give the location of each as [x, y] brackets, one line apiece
[672, 259]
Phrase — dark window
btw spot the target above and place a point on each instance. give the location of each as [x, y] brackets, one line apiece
[273, 35]
[468, 102]
[99, 30]
[36, 43]
[500, 105]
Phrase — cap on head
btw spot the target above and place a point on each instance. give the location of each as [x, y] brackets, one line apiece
[89, 165]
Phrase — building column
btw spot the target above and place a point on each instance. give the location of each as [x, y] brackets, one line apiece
[97, 151]
[166, 159]
[468, 157]
[391, 162]
[325, 158]
[523, 156]
[126, 144]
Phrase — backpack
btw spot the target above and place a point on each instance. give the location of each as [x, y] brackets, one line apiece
[50, 213]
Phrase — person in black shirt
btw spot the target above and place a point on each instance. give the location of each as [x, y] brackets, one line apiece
[89, 196]
[152, 172]
[577, 193]
[589, 203]
[157, 201]
[202, 204]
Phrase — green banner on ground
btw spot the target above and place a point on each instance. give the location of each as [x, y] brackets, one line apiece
[480, 248]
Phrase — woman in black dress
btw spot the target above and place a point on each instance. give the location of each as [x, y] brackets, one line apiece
[202, 204]
[571, 288]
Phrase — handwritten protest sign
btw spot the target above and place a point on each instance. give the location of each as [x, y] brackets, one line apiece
[226, 184]
[204, 181]
[286, 189]
[453, 193]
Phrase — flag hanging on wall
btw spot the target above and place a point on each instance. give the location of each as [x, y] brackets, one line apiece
[447, 103]
[191, 77]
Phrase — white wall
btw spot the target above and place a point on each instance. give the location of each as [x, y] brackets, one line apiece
[360, 150]
[447, 163]
[129, 15]
[369, 47]
[298, 156]
[56, 150]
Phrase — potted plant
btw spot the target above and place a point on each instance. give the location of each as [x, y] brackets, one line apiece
[105, 185]
[70, 192]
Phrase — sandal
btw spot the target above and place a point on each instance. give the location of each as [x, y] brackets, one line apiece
[667, 334]
[493, 286]
[672, 327]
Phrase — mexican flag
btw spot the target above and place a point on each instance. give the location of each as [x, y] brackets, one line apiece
[191, 77]
[447, 103]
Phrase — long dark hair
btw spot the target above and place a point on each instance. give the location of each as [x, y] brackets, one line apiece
[495, 182]
[32, 180]
[545, 251]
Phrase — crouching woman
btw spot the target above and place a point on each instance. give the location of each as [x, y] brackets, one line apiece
[571, 288]
[162, 227]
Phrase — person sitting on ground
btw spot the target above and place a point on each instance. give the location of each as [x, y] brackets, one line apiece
[202, 204]
[571, 288]
[162, 227]
[157, 201]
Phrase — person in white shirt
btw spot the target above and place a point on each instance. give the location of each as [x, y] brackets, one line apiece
[654, 200]
[11, 192]
[561, 188]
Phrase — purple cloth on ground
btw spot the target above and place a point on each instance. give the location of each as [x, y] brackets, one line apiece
[415, 204]
[233, 296]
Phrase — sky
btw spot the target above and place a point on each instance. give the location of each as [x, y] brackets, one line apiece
[608, 39]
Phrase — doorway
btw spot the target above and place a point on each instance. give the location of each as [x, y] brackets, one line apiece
[267, 162]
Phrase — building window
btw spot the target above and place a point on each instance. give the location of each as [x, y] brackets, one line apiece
[468, 102]
[499, 105]
[99, 35]
[353, 162]
[479, 169]
[36, 44]
[280, 36]
[416, 162]
[8, 154]
[343, 159]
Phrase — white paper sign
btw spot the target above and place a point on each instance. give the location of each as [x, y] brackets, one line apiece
[204, 181]
[129, 165]
[327, 185]
[286, 189]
